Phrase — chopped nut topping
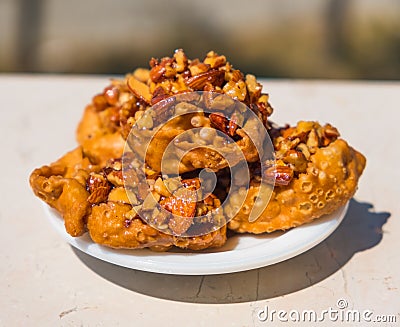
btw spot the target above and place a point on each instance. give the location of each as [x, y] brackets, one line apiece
[98, 188]
[197, 82]
[297, 160]
[181, 61]
[229, 127]
[100, 102]
[140, 89]
[282, 174]
[214, 60]
[182, 204]
[115, 177]
[111, 94]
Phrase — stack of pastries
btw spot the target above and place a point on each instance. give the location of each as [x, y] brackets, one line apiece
[313, 174]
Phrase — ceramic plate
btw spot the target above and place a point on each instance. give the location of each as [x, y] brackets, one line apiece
[240, 253]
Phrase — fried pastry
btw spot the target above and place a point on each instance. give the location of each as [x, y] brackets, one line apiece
[315, 173]
[126, 103]
[108, 225]
[93, 198]
[99, 136]
[134, 180]
[62, 185]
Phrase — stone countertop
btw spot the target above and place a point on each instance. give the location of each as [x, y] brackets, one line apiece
[46, 282]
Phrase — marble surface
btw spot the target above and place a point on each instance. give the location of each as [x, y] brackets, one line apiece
[46, 282]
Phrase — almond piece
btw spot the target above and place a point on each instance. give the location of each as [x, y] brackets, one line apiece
[139, 89]
[98, 188]
[220, 122]
[197, 82]
[183, 207]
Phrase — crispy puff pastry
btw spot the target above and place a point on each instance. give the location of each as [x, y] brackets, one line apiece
[92, 201]
[326, 173]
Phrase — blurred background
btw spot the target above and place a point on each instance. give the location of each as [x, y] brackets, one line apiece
[340, 39]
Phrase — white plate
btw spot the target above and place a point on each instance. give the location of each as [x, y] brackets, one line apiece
[242, 252]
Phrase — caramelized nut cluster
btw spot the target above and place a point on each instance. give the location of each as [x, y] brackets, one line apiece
[294, 147]
[122, 103]
[107, 184]
[183, 210]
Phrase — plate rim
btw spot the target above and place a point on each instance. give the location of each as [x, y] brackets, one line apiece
[209, 263]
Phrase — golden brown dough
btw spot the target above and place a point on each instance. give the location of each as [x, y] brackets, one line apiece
[108, 226]
[327, 182]
[62, 185]
[100, 149]
[99, 141]
[93, 198]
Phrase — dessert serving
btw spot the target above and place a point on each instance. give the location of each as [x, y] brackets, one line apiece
[183, 154]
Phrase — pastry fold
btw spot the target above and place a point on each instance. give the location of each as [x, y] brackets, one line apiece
[325, 172]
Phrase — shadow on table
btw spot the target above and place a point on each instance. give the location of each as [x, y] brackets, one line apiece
[360, 230]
